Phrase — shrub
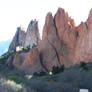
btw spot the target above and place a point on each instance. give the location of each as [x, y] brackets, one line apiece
[16, 79]
[83, 65]
[42, 73]
[35, 74]
[57, 69]
[34, 45]
[5, 56]
[27, 48]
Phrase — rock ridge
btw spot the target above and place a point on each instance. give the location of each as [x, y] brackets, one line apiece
[62, 43]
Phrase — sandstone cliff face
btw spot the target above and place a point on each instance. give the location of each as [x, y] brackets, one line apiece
[55, 46]
[57, 43]
[62, 43]
[65, 30]
[50, 45]
[30, 62]
[18, 39]
[83, 49]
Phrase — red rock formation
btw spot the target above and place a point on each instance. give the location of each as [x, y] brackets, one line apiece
[50, 45]
[70, 20]
[65, 32]
[57, 44]
[30, 62]
[83, 49]
[19, 59]
[62, 43]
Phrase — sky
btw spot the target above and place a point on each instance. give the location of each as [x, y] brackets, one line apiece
[14, 13]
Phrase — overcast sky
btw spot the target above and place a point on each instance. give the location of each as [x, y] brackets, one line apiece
[14, 13]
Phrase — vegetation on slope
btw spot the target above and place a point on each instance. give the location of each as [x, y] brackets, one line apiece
[61, 80]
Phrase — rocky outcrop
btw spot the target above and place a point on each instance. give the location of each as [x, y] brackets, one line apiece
[32, 34]
[24, 39]
[18, 39]
[65, 30]
[30, 62]
[54, 49]
[50, 45]
[83, 49]
[62, 43]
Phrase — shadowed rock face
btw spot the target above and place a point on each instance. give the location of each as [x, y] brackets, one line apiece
[62, 42]
[24, 39]
[18, 39]
[32, 35]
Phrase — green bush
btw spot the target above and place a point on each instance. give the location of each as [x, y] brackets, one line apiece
[27, 48]
[35, 74]
[84, 66]
[34, 45]
[16, 79]
[5, 56]
[42, 73]
[56, 70]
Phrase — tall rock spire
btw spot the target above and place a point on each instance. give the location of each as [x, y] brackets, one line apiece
[32, 34]
[24, 39]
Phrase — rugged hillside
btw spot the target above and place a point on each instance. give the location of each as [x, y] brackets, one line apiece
[70, 80]
[52, 62]
[62, 43]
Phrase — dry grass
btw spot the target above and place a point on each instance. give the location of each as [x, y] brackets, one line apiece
[10, 86]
